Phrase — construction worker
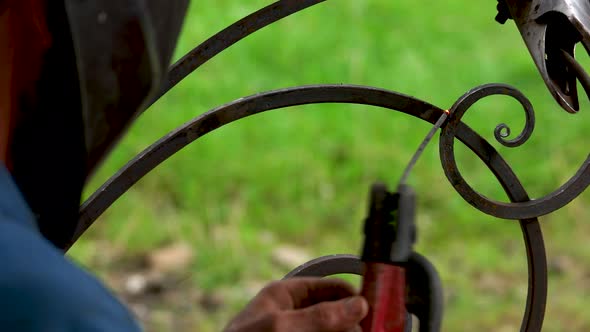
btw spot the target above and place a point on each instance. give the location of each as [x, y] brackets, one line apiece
[73, 74]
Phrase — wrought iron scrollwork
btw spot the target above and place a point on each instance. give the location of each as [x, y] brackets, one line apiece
[520, 207]
[514, 210]
[273, 100]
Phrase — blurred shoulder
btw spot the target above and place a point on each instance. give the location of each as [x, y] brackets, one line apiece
[38, 285]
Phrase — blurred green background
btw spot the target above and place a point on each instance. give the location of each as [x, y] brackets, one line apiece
[195, 239]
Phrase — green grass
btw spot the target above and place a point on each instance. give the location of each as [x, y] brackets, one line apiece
[300, 176]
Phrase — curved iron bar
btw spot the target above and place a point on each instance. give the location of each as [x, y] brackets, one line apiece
[514, 210]
[241, 108]
[228, 37]
[578, 70]
[328, 266]
[171, 143]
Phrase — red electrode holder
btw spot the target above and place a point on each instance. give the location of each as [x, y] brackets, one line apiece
[390, 233]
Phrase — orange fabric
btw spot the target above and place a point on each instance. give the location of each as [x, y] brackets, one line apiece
[24, 38]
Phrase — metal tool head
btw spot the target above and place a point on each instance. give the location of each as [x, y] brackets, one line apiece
[547, 27]
[390, 229]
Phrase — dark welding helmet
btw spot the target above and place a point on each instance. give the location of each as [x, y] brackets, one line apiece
[106, 60]
[123, 49]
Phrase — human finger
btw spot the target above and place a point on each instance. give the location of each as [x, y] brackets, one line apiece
[298, 293]
[332, 316]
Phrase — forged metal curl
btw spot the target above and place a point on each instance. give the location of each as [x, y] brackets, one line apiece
[515, 210]
[244, 107]
[502, 131]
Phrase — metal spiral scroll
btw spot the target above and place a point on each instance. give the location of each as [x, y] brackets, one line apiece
[514, 210]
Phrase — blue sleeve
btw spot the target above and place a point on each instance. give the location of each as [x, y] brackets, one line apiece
[40, 290]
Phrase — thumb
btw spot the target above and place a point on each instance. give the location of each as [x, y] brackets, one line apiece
[333, 316]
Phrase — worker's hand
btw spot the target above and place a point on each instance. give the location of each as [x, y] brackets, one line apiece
[302, 305]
